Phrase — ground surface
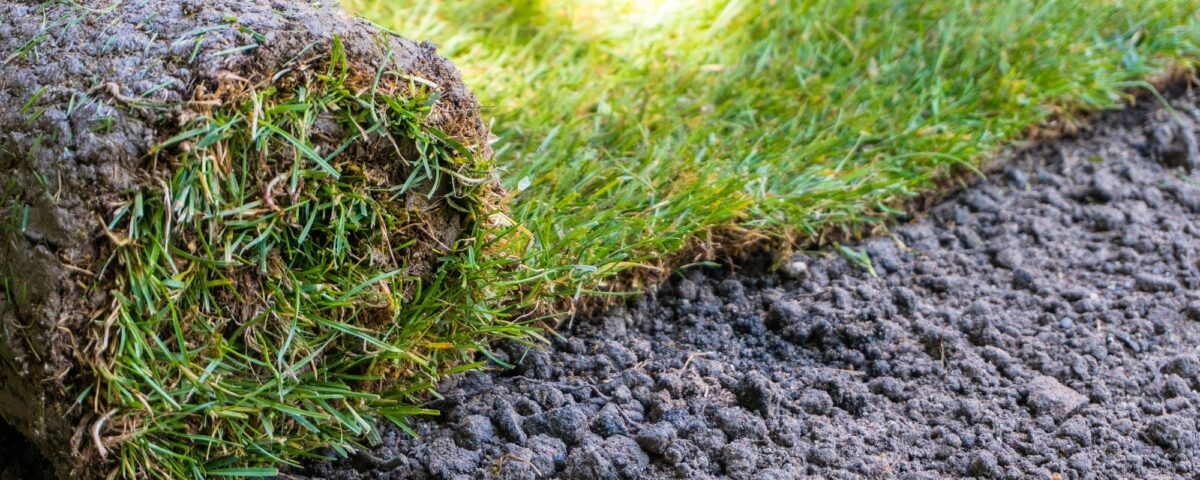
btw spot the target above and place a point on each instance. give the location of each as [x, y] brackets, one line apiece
[1044, 322]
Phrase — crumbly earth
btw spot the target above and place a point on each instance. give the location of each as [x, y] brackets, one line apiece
[1045, 322]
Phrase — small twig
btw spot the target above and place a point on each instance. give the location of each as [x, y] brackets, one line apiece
[508, 456]
[113, 237]
[693, 356]
[96, 433]
[73, 268]
[168, 209]
[563, 385]
[108, 323]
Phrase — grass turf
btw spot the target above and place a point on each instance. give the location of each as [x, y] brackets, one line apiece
[633, 131]
[633, 137]
[263, 305]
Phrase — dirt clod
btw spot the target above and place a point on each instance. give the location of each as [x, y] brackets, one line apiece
[1046, 396]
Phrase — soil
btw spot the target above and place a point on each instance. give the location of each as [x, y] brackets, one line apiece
[1044, 322]
[21, 459]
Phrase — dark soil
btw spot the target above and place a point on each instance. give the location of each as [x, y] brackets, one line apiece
[20, 459]
[1045, 322]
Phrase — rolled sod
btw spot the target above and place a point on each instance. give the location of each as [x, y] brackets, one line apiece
[211, 215]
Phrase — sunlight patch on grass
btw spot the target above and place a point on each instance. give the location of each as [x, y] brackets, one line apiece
[782, 120]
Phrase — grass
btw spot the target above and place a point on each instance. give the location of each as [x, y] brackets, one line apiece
[255, 318]
[262, 301]
[643, 135]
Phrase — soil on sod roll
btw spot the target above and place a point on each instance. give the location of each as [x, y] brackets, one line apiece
[108, 107]
[1044, 322]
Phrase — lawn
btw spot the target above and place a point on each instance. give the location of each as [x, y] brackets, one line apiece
[636, 137]
[633, 138]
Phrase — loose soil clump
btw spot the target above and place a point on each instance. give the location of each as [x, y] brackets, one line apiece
[1042, 324]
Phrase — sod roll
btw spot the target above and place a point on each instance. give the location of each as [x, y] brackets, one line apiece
[210, 213]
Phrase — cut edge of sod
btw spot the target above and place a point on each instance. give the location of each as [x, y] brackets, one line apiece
[725, 243]
[641, 147]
